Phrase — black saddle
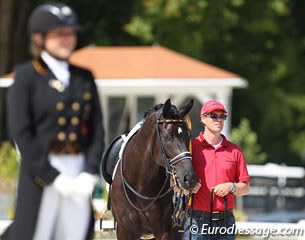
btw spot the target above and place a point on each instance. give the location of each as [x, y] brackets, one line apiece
[110, 158]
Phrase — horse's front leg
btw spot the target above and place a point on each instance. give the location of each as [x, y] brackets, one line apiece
[168, 234]
[164, 236]
[123, 234]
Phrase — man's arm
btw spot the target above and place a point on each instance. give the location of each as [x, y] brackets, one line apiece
[242, 188]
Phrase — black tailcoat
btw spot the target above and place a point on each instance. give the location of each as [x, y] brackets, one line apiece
[41, 112]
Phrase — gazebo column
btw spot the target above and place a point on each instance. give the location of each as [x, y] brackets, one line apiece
[225, 97]
[132, 101]
[104, 100]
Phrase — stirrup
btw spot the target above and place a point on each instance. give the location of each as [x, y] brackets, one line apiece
[107, 224]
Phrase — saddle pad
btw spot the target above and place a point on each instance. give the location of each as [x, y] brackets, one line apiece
[132, 132]
[114, 152]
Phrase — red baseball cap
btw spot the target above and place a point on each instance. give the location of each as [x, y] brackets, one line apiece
[211, 106]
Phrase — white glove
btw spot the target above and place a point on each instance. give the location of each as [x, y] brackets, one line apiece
[64, 185]
[84, 184]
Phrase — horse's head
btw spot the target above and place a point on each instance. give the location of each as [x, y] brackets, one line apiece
[174, 134]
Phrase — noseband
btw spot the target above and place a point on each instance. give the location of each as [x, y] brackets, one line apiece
[169, 166]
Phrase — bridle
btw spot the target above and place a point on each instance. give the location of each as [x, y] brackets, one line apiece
[169, 165]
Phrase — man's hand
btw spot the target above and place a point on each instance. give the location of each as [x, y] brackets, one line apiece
[223, 189]
[197, 187]
[186, 192]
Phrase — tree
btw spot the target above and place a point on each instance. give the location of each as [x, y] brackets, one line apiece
[13, 18]
[246, 139]
[8, 161]
[260, 40]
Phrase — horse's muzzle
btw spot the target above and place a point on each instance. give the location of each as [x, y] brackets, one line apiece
[188, 180]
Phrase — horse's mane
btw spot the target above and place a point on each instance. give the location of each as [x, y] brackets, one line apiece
[158, 107]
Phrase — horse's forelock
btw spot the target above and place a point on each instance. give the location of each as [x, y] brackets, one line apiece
[152, 109]
[173, 114]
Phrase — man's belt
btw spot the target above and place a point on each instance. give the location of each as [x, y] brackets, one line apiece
[216, 216]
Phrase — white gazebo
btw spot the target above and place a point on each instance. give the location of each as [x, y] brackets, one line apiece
[134, 73]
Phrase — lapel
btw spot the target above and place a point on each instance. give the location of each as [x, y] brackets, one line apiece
[75, 79]
[42, 68]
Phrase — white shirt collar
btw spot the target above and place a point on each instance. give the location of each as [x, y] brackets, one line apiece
[59, 68]
[218, 144]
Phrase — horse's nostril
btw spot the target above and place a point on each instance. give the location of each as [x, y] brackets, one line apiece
[186, 179]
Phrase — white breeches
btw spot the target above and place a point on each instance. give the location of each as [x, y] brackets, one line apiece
[63, 217]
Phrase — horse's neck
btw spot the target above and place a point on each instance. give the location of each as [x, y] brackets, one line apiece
[141, 163]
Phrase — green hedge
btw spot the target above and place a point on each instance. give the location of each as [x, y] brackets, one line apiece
[9, 166]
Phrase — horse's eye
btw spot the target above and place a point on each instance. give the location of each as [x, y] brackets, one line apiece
[166, 138]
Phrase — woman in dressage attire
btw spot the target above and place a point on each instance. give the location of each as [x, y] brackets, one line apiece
[55, 121]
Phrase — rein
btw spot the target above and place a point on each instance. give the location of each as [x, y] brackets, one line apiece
[169, 166]
[212, 207]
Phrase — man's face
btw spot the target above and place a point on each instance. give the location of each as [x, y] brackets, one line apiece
[214, 121]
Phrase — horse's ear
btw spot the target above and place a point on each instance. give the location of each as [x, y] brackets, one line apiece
[186, 108]
[167, 108]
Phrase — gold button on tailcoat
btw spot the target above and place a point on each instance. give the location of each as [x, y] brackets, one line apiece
[76, 106]
[60, 106]
[61, 136]
[75, 121]
[72, 136]
[61, 121]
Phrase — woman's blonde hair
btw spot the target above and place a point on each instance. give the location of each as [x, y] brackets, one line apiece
[36, 45]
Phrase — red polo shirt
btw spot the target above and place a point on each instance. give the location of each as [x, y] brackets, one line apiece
[215, 166]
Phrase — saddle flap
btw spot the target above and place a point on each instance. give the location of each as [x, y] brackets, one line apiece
[110, 158]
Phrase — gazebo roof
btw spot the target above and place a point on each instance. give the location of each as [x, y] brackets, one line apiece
[144, 62]
[140, 68]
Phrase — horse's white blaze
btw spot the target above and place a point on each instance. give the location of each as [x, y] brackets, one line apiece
[179, 130]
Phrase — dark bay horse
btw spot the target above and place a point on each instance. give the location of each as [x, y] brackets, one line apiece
[141, 198]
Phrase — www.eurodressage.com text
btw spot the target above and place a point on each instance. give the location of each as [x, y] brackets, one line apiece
[261, 232]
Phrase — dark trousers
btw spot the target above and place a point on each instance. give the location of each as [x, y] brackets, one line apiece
[202, 229]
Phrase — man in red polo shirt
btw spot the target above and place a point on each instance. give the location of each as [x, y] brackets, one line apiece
[221, 169]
